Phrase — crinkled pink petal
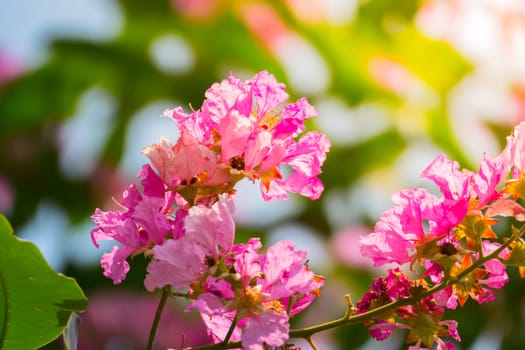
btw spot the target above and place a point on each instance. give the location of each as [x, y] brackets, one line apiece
[235, 130]
[278, 190]
[443, 296]
[219, 287]
[161, 156]
[212, 226]
[177, 262]
[195, 122]
[488, 177]
[273, 156]
[440, 345]
[409, 205]
[284, 271]
[498, 271]
[114, 263]
[151, 182]
[308, 154]
[218, 326]
[131, 197]
[280, 258]
[382, 330]
[506, 207]
[307, 186]
[208, 304]
[518, 149]
[446, 215]
[258, 148]
[452, 327]
[111, 225]
[293, 117]
[301, 303]
[268, 328]
[191, 159]
[155, 224]
[146, 212]
[246, 259]
[447, 175]
[230, 94]
[297, 281]
[386, 244]
[269, 94]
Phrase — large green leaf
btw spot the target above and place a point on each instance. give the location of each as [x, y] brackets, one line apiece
[35, 301]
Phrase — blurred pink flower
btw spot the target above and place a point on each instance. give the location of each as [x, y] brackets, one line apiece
[10, 68]
[345, 245]
[7, 196]
[391, 75]
[123, 319]
[264, 23]
[196, 9]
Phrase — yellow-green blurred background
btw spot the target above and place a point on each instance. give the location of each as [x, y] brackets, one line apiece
[83, 84]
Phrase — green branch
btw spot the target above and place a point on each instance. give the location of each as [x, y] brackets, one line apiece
[166, 291]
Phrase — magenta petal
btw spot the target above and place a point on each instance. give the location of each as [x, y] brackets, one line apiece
[284, 271]
[265, 328]
[294, 115]
[382, 330]
[212, 226]
[446, 173]
[235, 131]
[177, 262]
[114, 263]
[208, 304]
[218, 326]
[269, 93]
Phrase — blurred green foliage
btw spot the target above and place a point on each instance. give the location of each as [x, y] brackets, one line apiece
[33, 107]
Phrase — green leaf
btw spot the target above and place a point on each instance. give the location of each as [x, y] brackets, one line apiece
[35, 301]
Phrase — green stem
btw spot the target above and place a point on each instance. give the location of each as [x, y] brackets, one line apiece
[230, 331]
[164, 297]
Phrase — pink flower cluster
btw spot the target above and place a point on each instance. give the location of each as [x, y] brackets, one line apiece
[448, 234]
[183, 222]
[243, 130]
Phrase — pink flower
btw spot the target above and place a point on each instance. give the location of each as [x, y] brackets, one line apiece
[209, 233]
[497, 277]
[146, 221]
[268, 282]
[385, 290]
[400, 234]
[243, 130]
[382, 330]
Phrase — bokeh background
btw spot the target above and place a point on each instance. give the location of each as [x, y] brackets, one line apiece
[83, 84]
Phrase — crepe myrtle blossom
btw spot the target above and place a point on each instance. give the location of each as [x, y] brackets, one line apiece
[208, 236]
[420, 223]
[243, 129]
[414, 228]
[422, 318]
[146, 220]
[424, 329]
[265, 291]
[477, 285]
